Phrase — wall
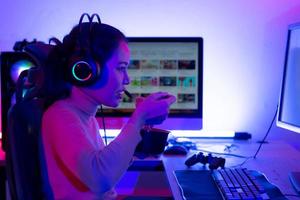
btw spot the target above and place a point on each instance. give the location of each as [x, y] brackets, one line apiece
[244, 44]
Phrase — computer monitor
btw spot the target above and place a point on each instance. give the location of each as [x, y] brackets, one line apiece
[288, 115]
[171, 64]
[289, 102]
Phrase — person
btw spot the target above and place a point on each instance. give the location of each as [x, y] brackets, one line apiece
[77, 164]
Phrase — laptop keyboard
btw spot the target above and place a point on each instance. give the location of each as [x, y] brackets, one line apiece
[238, 183]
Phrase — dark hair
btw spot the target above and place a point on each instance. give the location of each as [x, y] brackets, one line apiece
[102, 40]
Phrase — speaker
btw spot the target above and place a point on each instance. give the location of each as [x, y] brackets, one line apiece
[83, 69]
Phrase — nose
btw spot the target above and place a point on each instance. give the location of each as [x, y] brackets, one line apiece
[126, 79]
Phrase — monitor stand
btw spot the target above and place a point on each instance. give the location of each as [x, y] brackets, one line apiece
[295, 180]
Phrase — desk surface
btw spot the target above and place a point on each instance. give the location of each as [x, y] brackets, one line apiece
[275, 160]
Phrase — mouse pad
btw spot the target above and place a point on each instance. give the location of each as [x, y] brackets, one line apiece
[199, 184]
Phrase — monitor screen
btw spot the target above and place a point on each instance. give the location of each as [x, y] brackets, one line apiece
[289, 104]
[174, 65]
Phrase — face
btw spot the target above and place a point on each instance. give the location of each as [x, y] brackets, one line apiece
[109, 90]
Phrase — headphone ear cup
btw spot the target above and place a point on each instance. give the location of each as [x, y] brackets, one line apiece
[83, 70]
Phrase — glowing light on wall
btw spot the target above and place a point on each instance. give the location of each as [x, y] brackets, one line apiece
[18, 67]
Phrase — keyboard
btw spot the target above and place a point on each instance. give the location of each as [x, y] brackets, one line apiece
[238, 183]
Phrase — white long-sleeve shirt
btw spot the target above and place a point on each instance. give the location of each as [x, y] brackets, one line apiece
[79, 166]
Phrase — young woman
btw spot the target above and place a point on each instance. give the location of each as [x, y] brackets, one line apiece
[88, 69]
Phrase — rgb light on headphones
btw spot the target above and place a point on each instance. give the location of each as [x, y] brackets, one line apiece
[82, 71]
[18, 67]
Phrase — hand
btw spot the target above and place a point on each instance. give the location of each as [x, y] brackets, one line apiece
[154, 108]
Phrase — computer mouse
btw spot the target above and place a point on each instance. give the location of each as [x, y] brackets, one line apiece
[176, 150]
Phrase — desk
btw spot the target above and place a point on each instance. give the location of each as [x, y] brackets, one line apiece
[275, 160]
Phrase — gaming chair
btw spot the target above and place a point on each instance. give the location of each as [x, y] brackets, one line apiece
[23, 164]
[23, 153]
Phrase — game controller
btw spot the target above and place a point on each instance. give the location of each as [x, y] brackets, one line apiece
[214, 162]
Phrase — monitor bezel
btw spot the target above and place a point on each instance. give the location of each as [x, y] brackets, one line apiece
[280, 122]
[196, 113]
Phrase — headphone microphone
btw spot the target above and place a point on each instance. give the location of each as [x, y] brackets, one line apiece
[83, 70]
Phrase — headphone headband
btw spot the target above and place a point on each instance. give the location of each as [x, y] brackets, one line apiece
[90, 18]
[83, 69]
[97, 16]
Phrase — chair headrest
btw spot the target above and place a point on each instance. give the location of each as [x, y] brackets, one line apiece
[39, 51]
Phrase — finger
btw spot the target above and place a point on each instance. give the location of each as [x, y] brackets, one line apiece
[170, 100]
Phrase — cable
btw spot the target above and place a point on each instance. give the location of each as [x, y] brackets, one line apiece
[250, 157]
[103, 124]
[264, 139]
[247, 158]
[224, 154]
[101, 108]
[241, 164]
[261, 142]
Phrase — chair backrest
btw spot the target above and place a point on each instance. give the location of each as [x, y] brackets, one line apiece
[23, 153]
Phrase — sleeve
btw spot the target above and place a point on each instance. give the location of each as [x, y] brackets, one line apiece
[78, 157]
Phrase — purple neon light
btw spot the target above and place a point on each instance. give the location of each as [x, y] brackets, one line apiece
[18, 67]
